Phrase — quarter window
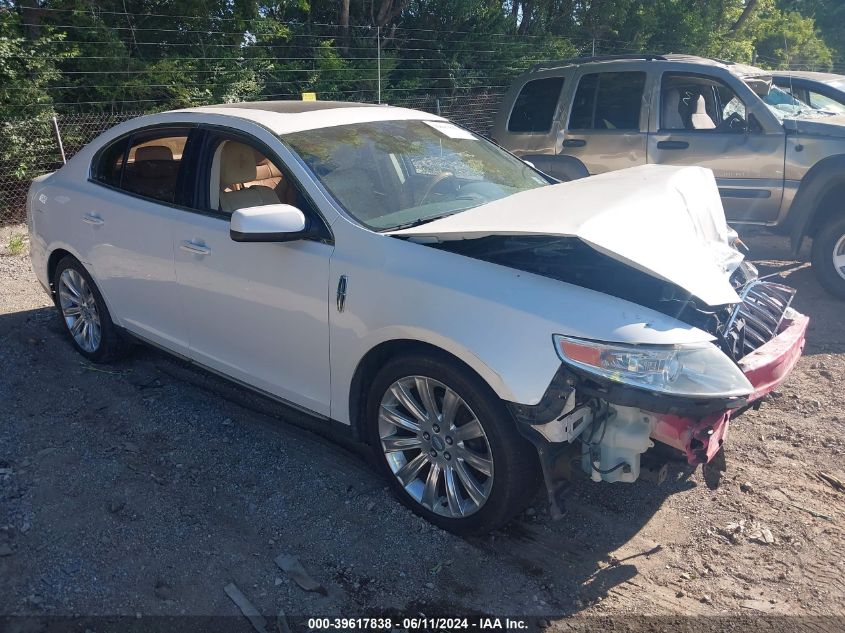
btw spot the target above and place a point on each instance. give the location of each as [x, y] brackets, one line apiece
[608, 101]
[109, 165]
[535, 106]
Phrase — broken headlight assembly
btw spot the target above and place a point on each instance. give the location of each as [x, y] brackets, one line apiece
[693, 371]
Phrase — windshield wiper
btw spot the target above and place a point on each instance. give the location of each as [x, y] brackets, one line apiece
[418, 221]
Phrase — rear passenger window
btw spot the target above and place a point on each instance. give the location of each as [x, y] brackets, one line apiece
[152, 165]
[608, 101]
[535, 106]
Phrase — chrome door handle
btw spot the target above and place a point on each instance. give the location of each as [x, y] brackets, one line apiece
[341, 292]
[193, 247]
[91, 218]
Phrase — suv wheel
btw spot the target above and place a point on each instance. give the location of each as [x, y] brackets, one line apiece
[829, 256]
[84, 313]
[448, 445]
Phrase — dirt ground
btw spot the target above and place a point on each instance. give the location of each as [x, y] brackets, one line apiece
[145, 487]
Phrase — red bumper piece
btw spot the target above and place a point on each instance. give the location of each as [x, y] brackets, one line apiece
[766, 368]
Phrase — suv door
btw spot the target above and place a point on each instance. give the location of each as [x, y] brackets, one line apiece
[141, 178]
[607, 122]
[256, 312]
[701, 120]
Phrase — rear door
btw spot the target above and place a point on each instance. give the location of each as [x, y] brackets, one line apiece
[701, 120]
[607, 120]
[533, 123]
[142, 178]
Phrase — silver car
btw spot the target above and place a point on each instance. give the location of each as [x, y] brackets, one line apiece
[779, 166]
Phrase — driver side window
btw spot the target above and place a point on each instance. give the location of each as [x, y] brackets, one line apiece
[699, 103]
[243, 176]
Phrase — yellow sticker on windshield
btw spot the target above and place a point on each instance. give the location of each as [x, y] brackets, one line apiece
[451, 130]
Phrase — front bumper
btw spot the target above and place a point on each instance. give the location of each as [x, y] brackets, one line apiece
[766, 368]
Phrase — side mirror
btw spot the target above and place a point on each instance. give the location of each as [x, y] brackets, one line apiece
[269, 223]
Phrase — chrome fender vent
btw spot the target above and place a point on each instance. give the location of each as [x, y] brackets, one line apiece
[756, 320]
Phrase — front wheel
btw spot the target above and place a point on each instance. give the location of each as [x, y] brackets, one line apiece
[448, 445]
[829, 256]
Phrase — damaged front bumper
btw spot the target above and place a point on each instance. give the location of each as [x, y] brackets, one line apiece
[604, 430]
[766, 368]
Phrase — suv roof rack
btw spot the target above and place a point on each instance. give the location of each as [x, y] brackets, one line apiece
[597, 58]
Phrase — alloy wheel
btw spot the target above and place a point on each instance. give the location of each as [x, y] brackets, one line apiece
[435, 446]
[839, 256]
[79, 310]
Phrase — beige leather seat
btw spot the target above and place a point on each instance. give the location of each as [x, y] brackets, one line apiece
[152, 172]
[268, 175]
[672, 119]
[235, 164]
[700, 119]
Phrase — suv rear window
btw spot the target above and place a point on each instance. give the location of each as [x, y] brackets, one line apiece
[535, 105]
[608, 101]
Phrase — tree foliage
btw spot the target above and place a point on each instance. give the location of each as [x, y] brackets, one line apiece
[146, 54]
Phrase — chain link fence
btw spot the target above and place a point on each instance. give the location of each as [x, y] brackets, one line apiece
[29, 146]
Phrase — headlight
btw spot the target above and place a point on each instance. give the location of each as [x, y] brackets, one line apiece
[680, 370]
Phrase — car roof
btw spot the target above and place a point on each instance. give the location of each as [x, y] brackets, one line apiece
[291, 106]
[741, 70]
[824, 78]
[285, 117]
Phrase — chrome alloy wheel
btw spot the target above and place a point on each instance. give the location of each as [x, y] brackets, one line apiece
[79, 309]
[435, 446]
[839, 256]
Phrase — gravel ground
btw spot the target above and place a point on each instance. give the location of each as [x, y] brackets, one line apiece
[147, 486]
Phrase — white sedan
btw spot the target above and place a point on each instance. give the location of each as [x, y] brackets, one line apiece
[479, 325]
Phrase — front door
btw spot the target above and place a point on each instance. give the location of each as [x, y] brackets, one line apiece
[607, 126]
[703, 122]
[256, 312]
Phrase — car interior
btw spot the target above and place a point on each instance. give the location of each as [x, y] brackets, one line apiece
[242, 177]
[693, 103]
[152, 167]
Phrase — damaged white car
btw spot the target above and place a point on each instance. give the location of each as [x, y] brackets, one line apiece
[404, 281]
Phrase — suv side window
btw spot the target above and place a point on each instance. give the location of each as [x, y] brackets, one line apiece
[608, 101]
[700, 103]
[535, 106]
[823, 102]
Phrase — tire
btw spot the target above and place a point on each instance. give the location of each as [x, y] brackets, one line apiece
[827, 243]
[84, 314]
[457, 447]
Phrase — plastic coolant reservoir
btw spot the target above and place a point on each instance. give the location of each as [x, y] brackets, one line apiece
[623, 439]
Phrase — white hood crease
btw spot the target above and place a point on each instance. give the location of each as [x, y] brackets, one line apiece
[665, 221]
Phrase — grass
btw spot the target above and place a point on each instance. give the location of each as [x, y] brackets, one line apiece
[17, 243]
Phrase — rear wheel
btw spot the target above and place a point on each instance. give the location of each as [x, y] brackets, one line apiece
[829, 256]
[448, 445]
[84, 313]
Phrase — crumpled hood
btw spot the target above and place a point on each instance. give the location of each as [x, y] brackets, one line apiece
[833, 126]
[665, 221]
